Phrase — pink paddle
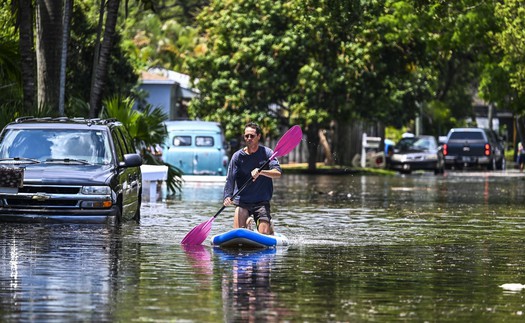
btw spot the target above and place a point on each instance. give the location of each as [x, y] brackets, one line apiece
[287, 142]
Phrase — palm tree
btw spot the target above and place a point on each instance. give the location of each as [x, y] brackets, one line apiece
[101, 61]
[24, 20]
[147, 129]
[48, 37]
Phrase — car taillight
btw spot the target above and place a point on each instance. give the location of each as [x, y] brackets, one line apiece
[487, 150]
[445, 149]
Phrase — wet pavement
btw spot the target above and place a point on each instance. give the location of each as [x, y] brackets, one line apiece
[414, 247]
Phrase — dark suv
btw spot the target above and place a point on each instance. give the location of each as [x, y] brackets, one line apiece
[68, 170]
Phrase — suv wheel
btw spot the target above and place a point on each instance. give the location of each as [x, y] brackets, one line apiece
[118, 216]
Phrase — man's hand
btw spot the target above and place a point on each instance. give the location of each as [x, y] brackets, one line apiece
[227, 201]
[255, 174]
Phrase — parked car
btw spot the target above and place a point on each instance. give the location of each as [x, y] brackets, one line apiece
[196, 147]
[68, 170]
[467, 147]
[417, 153]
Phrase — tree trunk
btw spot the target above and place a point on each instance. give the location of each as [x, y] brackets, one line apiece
[68, 9]
[313, 143]
[490, 115]
[102, 63]
[96, 53]
[27, 53]
[329, 159]
[48, 50]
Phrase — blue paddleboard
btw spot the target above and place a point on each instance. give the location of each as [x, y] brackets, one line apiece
[244, 238]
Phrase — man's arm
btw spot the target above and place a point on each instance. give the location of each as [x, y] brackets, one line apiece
[271, 173]
[230, 182]
[274, 170]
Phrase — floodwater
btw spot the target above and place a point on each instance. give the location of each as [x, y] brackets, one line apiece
[419, 248]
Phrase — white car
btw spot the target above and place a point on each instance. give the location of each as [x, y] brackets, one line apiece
[417, 153]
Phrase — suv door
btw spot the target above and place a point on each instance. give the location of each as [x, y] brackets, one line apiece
[128, 177]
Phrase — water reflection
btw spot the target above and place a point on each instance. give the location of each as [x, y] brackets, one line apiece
[201, 191]
[199, 257]
[246, 284]
[50, 271]
[421, 192]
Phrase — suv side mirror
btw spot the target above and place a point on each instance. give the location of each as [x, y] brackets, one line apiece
[131, 160]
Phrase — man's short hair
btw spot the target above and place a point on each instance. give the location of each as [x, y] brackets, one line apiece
[254, 126]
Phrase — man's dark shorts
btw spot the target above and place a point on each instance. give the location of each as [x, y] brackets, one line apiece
[259, 211]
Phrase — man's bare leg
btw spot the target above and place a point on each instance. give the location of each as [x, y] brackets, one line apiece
[265, 227]
[239, 220]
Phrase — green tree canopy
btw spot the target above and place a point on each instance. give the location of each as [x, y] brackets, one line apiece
[311, 61]
[504, 79]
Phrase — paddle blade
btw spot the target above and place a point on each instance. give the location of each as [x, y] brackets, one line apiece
[288, 141]
[198, 234]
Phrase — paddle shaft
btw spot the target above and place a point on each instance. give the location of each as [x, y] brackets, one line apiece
[246, 184]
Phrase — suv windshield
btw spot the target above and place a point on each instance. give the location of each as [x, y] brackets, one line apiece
[55, 145]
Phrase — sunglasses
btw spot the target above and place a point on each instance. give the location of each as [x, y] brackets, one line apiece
[249, 136]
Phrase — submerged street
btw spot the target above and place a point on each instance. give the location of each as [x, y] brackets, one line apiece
[363, 248]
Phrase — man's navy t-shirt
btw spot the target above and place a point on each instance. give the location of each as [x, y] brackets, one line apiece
[239, 171]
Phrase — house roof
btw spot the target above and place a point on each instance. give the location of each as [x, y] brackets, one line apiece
[155, 78]
[164, 76]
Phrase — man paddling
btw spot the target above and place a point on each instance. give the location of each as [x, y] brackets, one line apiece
[254, 200]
